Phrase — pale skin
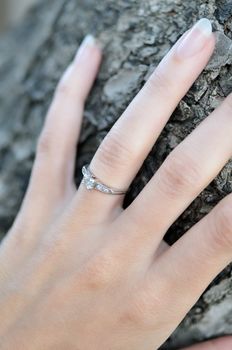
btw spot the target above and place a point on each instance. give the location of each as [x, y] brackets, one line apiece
[79, 272]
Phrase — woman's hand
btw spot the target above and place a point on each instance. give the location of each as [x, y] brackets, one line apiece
[79, 272]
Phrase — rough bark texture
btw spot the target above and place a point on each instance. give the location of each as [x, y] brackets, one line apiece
[136, 35]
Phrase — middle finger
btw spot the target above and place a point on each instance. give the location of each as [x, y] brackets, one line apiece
[187, 170]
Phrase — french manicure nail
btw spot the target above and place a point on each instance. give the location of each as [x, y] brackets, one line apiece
[196, 39]
[89, 41]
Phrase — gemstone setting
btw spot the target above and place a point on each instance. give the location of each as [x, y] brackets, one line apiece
[103, 188]
[88, 180]
[91, 182]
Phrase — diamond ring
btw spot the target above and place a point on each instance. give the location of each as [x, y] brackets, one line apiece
[92, 182]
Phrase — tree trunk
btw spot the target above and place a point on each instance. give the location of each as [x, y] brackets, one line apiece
[136, 35]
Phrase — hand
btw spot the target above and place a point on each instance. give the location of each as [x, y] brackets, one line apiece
[223, 343]
[79, 272]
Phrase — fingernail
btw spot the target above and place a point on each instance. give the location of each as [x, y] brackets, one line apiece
[89, 41]
[196, 39]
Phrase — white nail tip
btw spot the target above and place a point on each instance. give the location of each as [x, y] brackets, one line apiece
[205, 26]
[89, 40]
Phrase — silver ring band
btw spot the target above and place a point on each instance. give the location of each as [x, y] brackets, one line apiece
[91, 182]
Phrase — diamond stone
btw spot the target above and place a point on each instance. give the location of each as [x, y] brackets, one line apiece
[103, 188]
[88, 179]
[90, 183]
[86, 172]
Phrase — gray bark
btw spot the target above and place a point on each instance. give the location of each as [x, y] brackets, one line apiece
[136, 35]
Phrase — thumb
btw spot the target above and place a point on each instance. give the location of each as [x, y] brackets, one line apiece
[224, 343]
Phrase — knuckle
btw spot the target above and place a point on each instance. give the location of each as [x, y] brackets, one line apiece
[69, 88]
[99, 272]
[179, 173]
[221, 232]
[64, 87]
[114, 151]
[159, 81]
[141, 310]
[44, 144]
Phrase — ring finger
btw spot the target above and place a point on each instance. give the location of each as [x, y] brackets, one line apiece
[122, 152]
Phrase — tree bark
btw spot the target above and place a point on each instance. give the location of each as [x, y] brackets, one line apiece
[136, 35]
